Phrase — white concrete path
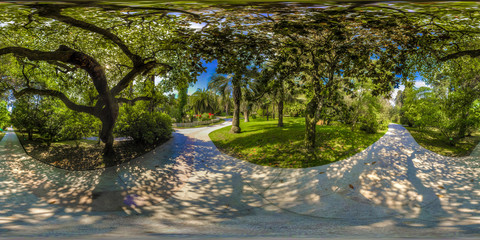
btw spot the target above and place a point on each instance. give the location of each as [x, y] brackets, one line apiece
[187, 188]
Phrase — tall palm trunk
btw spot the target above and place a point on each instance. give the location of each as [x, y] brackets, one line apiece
[237, 94]
[280, 112]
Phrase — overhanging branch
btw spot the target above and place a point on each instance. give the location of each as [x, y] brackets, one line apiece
[53, 93]
[133, 101]
[471, 53]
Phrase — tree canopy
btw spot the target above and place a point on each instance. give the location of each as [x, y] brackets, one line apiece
[97, 57]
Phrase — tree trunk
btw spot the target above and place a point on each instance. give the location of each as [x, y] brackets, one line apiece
[108, 118]
[463, 127]
[273, 110]
[237, 94]
[30, 135]
[152, 103]
[267, 113]
[280, 113]
[310, 125]
[246, 115]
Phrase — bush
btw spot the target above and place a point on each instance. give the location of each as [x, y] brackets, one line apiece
[143, 126]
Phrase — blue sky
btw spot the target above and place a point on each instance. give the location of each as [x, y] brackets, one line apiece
[202, 80]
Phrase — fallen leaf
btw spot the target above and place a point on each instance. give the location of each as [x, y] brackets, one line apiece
[351, 186]
[439, 195]
[471, 180]
[321, 172]
[367, 163]
[441, 187]
[52, 202]
[374, 162]
[459, 172]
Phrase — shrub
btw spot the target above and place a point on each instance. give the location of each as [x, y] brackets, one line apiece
[143, 126]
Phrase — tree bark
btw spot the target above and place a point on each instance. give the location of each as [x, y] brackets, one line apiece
[280, 113]
[268, 115]
[237, 94]
[30, 135]
[463, 128]
[310, 125]
[246, 115]
[273, 111]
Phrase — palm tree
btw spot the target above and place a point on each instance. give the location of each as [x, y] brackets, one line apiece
[221, 85]
[203, 101]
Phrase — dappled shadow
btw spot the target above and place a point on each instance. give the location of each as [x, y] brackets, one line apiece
[187, 183]
[36, 194]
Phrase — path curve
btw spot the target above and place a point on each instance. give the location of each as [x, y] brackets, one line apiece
[187, 186]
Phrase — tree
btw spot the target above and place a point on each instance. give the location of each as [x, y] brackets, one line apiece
[332, 46]
[28, 114]
[222, 85]
[88, 58]
[182, 103]
[203, 101]
[4, 115]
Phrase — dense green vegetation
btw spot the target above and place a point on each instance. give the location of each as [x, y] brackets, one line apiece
[432, 140]
[71, 70]
[262, 142]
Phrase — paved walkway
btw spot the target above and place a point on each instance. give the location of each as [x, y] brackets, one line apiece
[186, 187]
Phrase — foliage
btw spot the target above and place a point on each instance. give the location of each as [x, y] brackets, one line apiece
[144, 126]
[95, 58]
[433, 140]
[182, 103]
[4, 115]
[28, 114]
[51, 120]
[203, 101]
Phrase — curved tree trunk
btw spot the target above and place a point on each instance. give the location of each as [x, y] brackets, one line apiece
[280, 113]
[108, 116]
[237, 94]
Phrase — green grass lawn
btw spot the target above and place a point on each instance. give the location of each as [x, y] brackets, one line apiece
[434, 141]
[262, 142]
[1, 135]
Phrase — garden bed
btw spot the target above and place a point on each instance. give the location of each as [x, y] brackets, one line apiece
[262, 142]
[86, 156]
[433, 140]
[196, 123]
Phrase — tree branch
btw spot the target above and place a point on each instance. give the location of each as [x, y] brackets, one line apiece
[53, 93]
[471, 53]
[133, 101]
[145, 68]
[53, 12]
